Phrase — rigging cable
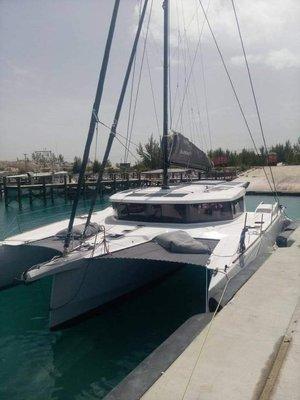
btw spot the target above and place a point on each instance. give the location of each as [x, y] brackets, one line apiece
[234, 91]
[204, 88]
[205, 99]
[152, 93]
[127, 149]
[192, 66]
[139, 81]
[91, 131]
[117, 133]
[112, 134]
[130, 105]
[131, 93]
[178, 67]
[96, 141]
[194, 86]
[206, 335]
[254, 96]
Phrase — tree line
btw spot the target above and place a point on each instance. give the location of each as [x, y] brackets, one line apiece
[286, 153]
[150, 156]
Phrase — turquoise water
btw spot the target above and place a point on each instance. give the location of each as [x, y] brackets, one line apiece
[85, 361]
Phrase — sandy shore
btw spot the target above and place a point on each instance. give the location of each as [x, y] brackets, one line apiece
[287, 179]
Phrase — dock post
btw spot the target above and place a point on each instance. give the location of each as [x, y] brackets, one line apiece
[51, 188]
[19, 193]
[5, 191]
[84, 187]
[114, 183]
[52, 194]
[65, 188]
[44, 190]
[30, 190]
[101, 191]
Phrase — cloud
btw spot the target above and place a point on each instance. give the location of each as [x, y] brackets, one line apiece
[283, 58]
[259, 19]
[276, 59]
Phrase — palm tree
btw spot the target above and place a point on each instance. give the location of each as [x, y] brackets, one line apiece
[150, 154]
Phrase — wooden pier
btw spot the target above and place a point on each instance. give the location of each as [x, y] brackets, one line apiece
[45, 188]
[48, 192]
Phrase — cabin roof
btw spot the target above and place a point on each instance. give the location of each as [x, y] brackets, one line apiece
[198, 192]
[22, 176]
[170, 170]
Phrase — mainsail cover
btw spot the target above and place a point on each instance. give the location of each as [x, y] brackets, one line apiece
[184, 153]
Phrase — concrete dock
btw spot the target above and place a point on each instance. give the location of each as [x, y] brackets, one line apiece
[287, 179]
[251, 350]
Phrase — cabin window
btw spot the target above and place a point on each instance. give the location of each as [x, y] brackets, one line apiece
[151, 212]
[134, 211]
[205, 212]
[180, 213]
[238, 207]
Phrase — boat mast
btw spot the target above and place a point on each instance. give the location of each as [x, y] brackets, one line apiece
[165, 183]
[93, 121]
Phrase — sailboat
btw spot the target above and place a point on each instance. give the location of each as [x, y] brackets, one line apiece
[145, 233]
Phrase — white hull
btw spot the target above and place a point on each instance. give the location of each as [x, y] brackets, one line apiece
[99, 281]
[261, 247]
[17, 259]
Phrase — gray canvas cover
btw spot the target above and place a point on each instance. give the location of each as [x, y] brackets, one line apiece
[181, 242]
[184, 153]
[154, 252]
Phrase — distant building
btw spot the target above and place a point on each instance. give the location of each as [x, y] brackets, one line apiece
[43, 154]
[272, 158]
[124, 166]
[220, 161]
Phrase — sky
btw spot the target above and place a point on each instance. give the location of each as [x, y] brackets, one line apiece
[51, 53]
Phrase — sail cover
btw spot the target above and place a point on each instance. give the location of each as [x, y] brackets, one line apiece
[184, 153]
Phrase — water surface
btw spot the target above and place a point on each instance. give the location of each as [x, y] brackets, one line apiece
[85, 361]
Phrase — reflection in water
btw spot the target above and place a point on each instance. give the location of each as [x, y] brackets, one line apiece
[87, 360]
